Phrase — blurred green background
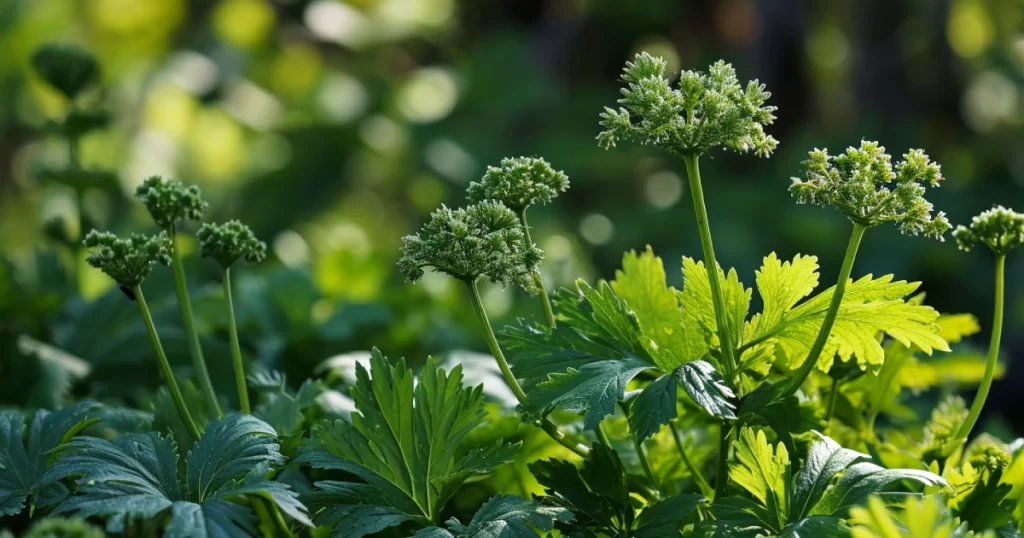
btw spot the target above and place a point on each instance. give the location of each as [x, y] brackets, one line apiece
[334, 127]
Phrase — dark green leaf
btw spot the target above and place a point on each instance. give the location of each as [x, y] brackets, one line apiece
[502, 517]
[825, 460]
[707, 388]
[653, 407]
[816, 527]
[664, 518]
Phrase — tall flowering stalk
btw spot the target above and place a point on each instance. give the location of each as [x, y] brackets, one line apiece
[228, 243]
[865, 186]
[170, 201]
[129, 261]
[484, 240]
[1001, 230]
[519, 183]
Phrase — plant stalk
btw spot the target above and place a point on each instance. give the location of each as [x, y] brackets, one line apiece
[545, 301]
[188, 322]
[641, 454]
[993, 355]
[236, 351]
[832, 397]
[165, 366]
[695, 473]
[699, 209]
[722, 478]
[76, 249]
[506, 372]
[830, 316]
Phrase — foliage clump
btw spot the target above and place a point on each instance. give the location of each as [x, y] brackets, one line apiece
[482, 240]
[869, 190]
[169, 200]
[518, 183]
[128, 260]
[708, 110]
[229, 242]
[999, 228]
[68, 68]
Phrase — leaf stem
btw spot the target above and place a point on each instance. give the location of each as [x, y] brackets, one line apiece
[165, 366]
[830, 316]
[545, 301]
[695, 473]
[993, 354]
[188, 322]
[506, 372]
[641, 454]
[236, 351]
[832, 397]
[722, 477]
[699, 209]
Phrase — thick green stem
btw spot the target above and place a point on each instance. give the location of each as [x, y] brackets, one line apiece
[721, 317]
[188, 322]
[506, 372]
[993, 355]
[832, 397]
[830, 316]
[695, 473]
[165, 366]
[545, 301]
[722, 478]
[236, 351]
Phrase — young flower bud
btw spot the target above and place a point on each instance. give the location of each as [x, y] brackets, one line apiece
[169, 200]
[66, 67]
[863, 184]
[707, 111]
[230, 242]
[485, 239]
[519, 183]
[988, 453]
[128, 261]
[999, 228]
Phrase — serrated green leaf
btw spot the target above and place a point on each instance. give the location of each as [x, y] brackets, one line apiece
[591, 391]
[664, 518]
[914, 518]
[864, 479]
[698, 305]
[654, 407]
[825, 460]
[816, 527]
[988, 505]
[764, 472]
[136, 476]
[505, 516]
[596, 494]
[641, 283]
[24, 459]
[783, 284]
[402, 444]
[707, 388]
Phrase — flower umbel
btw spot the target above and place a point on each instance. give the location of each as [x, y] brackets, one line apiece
[130, 260]
[484, 239]
[169, 200]
[863, 184]
[230, 242]
[708, 110]
[519, 182]
[66, 67]
[999, 228]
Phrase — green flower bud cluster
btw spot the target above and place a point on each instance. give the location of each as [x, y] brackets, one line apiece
[707, 111]
[127, 260]
[58, 527]
[169, 200]
[999, 228]
[66, 67]
[519, 183]
[230, 242]
[988, 453]
[863, 184]
[483, 240]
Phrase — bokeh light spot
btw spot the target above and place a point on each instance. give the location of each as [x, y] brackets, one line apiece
[428, 95]
[663, 189]
[597, 229]
[969, 30]
[243, 23]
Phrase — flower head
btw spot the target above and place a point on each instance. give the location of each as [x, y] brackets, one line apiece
[519, 183]
[988, 453]
[128, 261]
[863, 184]
[169, 200]
[66, 67]
[999, 228]
[708, 110]
[230, 242]
[484, 239]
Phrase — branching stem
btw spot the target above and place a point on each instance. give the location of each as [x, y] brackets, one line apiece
[188, 322]
[236, 351]
[506, 372]
[993, 355]
[165, 366]
[830, 316]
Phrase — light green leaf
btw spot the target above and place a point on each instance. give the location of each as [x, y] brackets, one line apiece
[641, 283]
[402, 445]
[707, 388]
[698, 305]
[764, 473]
[783, 285]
